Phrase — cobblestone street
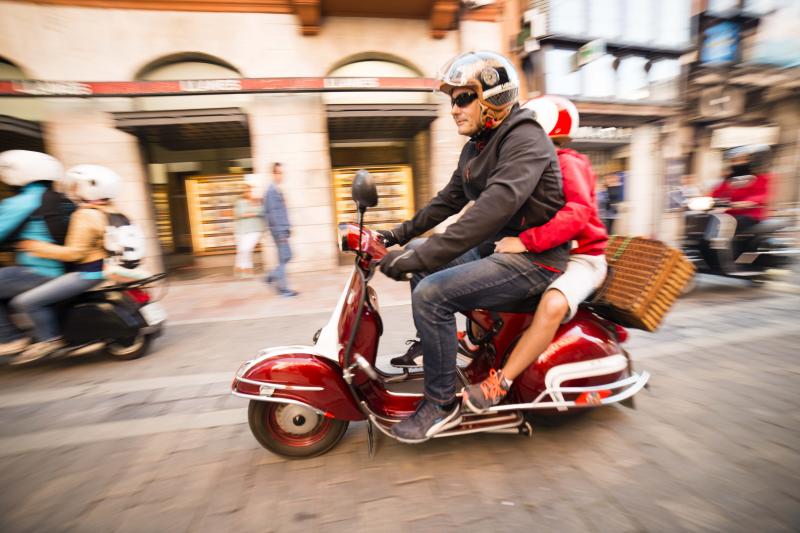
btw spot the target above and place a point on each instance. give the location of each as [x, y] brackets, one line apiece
[159, 445]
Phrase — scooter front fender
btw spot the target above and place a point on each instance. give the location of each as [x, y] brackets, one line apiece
[296, 374]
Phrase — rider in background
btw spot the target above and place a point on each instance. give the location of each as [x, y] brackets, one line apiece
[577, 221]
[35, 213]
[746, 189]
[96, 187]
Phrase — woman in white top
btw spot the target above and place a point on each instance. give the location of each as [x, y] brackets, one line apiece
[249, 227]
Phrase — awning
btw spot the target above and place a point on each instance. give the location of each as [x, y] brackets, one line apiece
[188, 129]
[20, 134]
[378, 121]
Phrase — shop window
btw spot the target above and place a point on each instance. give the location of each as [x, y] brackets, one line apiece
[605, 19]
[664, 78]
[632, 78]
[639, 20]
[559, 76]
[568, 17]
[599, 77]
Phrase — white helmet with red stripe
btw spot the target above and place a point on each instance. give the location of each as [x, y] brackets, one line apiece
[557, 116]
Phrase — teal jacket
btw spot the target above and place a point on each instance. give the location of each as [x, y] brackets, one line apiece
[13, 211]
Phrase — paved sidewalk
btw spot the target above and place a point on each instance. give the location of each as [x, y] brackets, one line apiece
[226, 298]
[220, 297]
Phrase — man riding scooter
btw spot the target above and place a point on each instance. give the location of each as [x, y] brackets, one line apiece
[35, 213]
[510, 170]
[746, 190]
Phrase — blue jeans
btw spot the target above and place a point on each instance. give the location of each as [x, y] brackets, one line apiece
[278, 274]
[37, 301]
[15, 280]
[466, 283]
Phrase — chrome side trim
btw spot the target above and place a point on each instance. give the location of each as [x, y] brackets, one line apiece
[634, 384]
[488, 429]
[583, 369]
[279, 386]
[273, 399]
[501, 423]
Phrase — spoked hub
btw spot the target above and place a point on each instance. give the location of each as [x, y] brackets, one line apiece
[298, 423]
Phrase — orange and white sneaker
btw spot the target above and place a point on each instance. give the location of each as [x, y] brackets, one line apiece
[479, 397]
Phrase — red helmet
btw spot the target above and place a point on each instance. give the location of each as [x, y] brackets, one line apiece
[557, 116]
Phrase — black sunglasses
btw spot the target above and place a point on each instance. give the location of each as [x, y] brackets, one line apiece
[463, 99]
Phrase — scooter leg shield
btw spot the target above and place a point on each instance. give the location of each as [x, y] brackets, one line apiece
[297, 377]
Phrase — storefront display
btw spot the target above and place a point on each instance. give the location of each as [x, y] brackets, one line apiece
[160, 194]
[211, 200]
[395, 195]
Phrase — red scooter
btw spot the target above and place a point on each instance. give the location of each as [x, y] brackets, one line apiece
[302, 398]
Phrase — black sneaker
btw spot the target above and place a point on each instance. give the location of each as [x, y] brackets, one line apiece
[412, 358]
[428, 420]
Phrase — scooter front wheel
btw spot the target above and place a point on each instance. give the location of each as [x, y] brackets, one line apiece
[293, 431]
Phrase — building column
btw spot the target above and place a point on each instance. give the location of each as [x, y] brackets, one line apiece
[81, 132]
[292, 130]
[643, 182]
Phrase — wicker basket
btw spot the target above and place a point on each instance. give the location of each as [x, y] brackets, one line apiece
[645, 278]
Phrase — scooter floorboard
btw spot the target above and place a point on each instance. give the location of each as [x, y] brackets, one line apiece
[470, 423]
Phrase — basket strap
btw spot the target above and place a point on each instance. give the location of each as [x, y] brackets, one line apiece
[621, 249]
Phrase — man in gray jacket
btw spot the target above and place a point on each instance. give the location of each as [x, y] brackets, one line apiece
[277, 218]
[510, 170]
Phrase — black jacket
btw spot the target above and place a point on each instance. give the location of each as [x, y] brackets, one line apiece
[515, 182]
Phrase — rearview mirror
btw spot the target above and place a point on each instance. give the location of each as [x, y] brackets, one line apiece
[365, 193]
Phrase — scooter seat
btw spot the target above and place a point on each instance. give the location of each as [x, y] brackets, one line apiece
[770, 225]
[528, 305]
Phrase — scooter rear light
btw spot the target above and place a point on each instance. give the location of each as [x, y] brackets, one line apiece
[593, 397]
[140, 296]
[621, 333]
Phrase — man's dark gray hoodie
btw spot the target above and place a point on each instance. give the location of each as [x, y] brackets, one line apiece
[515, 180]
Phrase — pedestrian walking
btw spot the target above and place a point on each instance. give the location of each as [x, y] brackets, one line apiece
[249, 226]
[277, 217]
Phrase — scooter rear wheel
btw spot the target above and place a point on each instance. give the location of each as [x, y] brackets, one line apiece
[127, 349]
[293, 431]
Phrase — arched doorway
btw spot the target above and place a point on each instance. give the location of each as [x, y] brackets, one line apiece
[386, 132]
[197, 152]
[20, 118]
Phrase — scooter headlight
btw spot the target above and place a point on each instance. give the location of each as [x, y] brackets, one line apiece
[343, 232]
[700, 203]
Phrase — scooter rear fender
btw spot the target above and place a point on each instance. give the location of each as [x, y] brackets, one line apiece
[297, 375]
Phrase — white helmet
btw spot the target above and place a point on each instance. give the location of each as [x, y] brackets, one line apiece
[21, 167]
[557, 116]
[93, 182]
